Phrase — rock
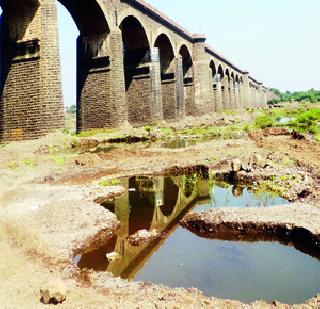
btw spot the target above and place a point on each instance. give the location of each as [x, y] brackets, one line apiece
[256, 161]
[113, 256]
[236, 165]
[142, 236]
[220, 122]
[53, 292]
[275, 131]
[297, 135]
[86, 144]
[87, 159]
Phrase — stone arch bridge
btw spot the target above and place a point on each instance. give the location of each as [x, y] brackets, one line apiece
[134, 64]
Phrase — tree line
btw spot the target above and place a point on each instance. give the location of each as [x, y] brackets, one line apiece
[312, 96]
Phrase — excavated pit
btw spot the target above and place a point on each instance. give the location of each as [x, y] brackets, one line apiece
[234, 261]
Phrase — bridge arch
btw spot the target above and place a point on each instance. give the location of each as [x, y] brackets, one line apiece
[130, 12]
[161, 31]
[227, 73]
[221, 71]
[168, 76]
[30, 43]
[188, 79]
[213, 69]
[187, 62]
[136, 59]
[163, 43]
[89, 15]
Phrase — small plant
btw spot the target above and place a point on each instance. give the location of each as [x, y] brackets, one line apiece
[58, 160]
[264, 121]
[66, 131]
[109, 182]
[246, 127]
[13, 165]
[287, 161]
[148, 129]
[29, 163]
[93, 132]
[166, 131]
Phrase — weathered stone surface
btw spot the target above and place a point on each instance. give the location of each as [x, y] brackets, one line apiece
[275, 131]
[143, 236]
[236, 165]
[53, 292]
[256, 161]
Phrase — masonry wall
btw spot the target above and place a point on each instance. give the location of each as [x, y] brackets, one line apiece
[189, 99]
[169, 99]
[31, 101]
[139, 100]
[95, 107]
[51, 91]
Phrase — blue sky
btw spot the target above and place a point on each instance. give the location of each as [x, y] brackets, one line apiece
[277, 41]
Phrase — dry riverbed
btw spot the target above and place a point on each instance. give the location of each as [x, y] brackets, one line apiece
[49, 210]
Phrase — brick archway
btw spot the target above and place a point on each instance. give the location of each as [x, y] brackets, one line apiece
[30, 89]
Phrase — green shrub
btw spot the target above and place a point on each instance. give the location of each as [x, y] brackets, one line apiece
[264, 121]
[109, 182]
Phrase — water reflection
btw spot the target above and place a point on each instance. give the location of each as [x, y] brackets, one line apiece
[159, 203]
[228, 266]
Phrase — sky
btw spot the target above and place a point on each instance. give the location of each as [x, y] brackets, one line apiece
[277, 41]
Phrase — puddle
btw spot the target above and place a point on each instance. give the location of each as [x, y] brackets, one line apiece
[241, 270]
[238, 196]
[179, 143]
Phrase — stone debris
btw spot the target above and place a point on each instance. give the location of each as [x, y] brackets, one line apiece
[53, 292]
[236, 165]
[113, 256]
[143, 236]
[275, 131]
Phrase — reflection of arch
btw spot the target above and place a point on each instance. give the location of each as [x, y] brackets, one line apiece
[165, 47]
[142, 204]
[171, 194]
[189, 184]
[96, 259]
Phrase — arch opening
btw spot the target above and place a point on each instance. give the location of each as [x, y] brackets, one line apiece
[187, 64]
[137, 70]
[166, 54]
[136, 49]
[30, 40]
[220, 72]
[187, 80]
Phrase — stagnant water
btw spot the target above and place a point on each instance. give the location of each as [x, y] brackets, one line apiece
[241, 270]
